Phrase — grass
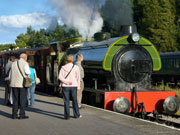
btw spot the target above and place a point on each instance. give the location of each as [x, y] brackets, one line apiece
[167, 87]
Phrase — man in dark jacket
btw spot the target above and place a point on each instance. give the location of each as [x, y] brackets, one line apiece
[7, 88]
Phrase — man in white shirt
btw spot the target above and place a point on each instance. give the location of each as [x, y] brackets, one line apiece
[19, 70]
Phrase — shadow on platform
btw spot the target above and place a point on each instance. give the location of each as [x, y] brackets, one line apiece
[35, 110]
[2, 101]
[5, 114]
[1, 90]
[47, 113]
[46, 102]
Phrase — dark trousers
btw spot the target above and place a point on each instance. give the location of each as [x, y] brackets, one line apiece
[67, 91]
[7, 93]
[19, 101]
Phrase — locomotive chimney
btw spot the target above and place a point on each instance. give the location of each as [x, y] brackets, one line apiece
[127, 29]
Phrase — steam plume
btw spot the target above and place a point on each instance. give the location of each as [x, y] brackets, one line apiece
[118, 12]
[81, 14]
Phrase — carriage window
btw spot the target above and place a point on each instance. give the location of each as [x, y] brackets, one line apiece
[163, 63]
[42, 61]
[173, 63]
[166, 63]
[169, 63]
[31, 57]
[48, 69]
[56, 66]
[177, 63]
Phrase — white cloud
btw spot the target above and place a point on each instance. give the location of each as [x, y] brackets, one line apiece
[11, 26]
[22, 21]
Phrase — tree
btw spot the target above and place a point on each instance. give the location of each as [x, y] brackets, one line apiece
[157, 23]
[40, 39]
[168, 27]
[62, 32]
[7, 47]
[59, 33]
[36, 38]
[32, 36]
[22, 41]
[177, 5]
[71, 32]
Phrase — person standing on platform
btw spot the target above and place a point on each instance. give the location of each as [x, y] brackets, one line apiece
[7, 88]
[31, 90]
[16, 83]
[79, 60]
[69, 76]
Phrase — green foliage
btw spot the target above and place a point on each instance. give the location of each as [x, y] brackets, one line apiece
[156, 22]
[61, 32]
[7, 47]
[36, 38]
[22, 41]
[177, 5]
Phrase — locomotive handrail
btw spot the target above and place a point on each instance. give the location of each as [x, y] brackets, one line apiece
[95, 47]
[95, 90]
[131, 44]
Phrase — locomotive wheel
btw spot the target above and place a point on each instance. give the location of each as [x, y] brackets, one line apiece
[171, 105]
[121, 105]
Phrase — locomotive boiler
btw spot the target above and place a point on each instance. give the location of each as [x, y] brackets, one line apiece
[118, 73]
[119, 64]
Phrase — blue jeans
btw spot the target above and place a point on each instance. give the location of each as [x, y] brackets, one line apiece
[30, 95]
[67, 91]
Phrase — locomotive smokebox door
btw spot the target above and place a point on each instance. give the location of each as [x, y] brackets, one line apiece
[132, 64]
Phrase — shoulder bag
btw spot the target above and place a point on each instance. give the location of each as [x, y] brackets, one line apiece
[27, 82]
[36, 78]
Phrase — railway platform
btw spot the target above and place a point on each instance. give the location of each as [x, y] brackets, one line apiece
[46, 118]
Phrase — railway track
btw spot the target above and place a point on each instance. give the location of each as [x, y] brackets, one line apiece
[173, 121]
[168, 120]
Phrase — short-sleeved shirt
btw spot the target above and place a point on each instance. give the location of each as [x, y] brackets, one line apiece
[32, 75]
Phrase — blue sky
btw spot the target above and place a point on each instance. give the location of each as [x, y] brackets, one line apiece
[16, 15]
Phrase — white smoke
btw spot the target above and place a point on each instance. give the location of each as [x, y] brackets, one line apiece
[118, 12]
[80, 14]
